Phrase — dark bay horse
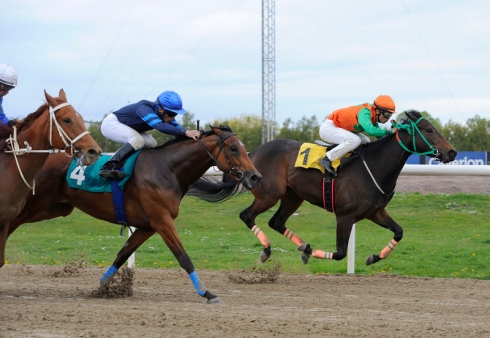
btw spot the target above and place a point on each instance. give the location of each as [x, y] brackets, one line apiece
[162, 176]
[55, 126]
[362, 189]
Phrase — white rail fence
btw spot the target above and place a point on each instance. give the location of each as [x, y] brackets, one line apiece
[408, 169]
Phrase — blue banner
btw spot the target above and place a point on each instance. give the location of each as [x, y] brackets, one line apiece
[463, 158]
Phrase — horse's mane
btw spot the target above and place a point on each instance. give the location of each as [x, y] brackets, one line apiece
[404, 121]
[179, 139]
[6, 131]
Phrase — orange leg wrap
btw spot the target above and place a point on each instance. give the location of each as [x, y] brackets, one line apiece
[261, 236]
[322, 254]
[388, 249]
[293, 237]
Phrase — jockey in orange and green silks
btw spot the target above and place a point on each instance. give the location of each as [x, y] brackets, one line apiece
[345, 127]
[356, 119]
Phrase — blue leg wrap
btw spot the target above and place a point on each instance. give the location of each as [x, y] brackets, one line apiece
[109, 273]
[200, 289]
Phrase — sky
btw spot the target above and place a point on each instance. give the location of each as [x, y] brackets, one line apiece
[427, 55]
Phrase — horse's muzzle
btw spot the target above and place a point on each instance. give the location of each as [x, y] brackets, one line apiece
[251, 181]
[446, 158]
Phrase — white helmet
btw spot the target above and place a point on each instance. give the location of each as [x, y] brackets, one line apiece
[8, 77]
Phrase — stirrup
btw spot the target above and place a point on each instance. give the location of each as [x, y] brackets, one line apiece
[115, 174]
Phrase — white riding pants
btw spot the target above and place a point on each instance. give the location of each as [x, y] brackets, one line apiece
[121, 133]
[346, 140]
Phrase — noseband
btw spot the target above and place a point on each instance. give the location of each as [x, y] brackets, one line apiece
[232, 170]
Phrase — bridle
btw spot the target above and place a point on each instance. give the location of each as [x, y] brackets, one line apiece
[413, 130]
[69, 143]
[232, 170]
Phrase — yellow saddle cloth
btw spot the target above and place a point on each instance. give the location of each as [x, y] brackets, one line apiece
[309, 156]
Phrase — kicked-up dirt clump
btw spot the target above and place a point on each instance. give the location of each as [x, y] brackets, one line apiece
[120, 286]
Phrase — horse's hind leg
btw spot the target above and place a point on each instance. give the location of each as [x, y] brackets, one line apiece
[248, 217]
[344, 228]
[132, 244]
[383, 219]
[290, 202]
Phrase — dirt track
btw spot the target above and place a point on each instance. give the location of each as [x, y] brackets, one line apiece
[45, 301]
[34, 303]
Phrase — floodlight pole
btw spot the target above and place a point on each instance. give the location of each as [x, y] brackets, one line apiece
[268, 70]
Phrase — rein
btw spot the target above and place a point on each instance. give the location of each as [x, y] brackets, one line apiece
[17, 151]
[387, 196]
[232, 170]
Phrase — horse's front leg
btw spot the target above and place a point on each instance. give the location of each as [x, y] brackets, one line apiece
[383, 219]
[132, 244]
[167, 230]
[4, 230]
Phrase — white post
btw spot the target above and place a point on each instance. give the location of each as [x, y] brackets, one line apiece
[131, 259]
[351, 251]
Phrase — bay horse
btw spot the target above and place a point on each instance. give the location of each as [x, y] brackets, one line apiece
[55, 126]
[363, 188]
[162, 176]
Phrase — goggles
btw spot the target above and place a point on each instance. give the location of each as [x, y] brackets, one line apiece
[5, 87]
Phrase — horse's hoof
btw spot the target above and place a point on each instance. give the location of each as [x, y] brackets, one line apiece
[372, 259]
[215, 300]
[264, 257]
[265, 254]
[106, 281]
[305, 258]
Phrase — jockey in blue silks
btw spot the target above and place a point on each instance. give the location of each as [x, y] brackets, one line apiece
[129, 125]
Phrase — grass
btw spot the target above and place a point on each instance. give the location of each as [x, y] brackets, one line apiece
[444, 236]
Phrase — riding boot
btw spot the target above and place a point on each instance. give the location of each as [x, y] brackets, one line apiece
[328, 165]
[110, 168]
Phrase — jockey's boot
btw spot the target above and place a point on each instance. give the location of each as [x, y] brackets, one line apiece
[109, 169]
[328, 165]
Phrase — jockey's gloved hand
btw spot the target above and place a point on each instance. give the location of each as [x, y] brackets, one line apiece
[11, 123]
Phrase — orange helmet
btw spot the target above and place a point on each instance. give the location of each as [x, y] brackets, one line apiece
[385, 102]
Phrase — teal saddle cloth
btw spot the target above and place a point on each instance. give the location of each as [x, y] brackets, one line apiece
[87, 177]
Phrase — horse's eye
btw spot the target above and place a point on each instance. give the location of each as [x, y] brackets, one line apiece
[234, 148]
[67, 121]
[429, 130]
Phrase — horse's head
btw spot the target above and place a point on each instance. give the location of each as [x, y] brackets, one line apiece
[231, 157]
[425, 139]
[68, 131]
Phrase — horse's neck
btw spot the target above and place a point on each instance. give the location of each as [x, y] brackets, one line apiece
[190, 162]
[35, 137]
[385, 159]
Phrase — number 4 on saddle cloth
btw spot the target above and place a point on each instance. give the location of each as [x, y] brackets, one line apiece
[309, 156]
[87, 178]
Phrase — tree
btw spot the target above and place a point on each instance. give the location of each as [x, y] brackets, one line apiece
[247, 127]
[473, 136]
[305, 130]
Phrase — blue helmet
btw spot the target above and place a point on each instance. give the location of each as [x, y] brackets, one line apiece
[169, 100]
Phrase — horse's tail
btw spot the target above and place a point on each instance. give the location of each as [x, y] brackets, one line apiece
[212, 190]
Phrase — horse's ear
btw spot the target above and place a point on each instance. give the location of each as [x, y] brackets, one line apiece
[50, 99]
[62, 95]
